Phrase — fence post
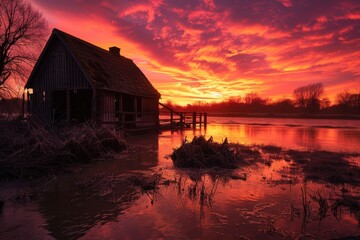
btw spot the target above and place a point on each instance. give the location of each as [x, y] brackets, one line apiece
[205, 120]
[171, 119]
[181, 120]
[200, 119]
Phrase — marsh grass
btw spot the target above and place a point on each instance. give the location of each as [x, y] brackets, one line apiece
[318, 166]
[148, 184]
[198, 190]
[206, 153]
[322, 202]
[347, 201]
[305, 206]
[31, 149]
[271, 149]
[325, 166]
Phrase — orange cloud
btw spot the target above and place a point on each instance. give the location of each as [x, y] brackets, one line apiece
[209, 51]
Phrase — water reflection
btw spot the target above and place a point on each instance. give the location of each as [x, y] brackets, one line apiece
[71, 210]
[255, 202]
[302, 134]
[72, 205]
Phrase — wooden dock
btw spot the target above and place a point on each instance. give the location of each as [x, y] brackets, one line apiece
[166, 119]
[171, 119]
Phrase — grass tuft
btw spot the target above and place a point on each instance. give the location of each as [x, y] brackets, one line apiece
[30, 149]
[202, 153]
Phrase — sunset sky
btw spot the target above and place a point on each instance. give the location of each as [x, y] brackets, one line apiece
[211, 50]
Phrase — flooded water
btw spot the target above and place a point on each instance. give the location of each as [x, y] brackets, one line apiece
[101, 201]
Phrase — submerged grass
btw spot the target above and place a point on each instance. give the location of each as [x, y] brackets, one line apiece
[30, 149]
[202, 153]
[325, 166]
[324, 202]
[318, 166]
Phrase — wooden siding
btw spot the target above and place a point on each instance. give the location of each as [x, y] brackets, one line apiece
[126, 110]
[107, 109]
[57, 70]
[149, 115]
[59, 74]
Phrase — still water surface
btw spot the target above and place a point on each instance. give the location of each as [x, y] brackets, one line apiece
[257, 202]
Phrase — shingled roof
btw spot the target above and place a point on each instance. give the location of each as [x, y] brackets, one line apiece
[106, 70]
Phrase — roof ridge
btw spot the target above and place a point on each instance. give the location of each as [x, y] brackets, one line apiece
[56, 30]
[105, 70]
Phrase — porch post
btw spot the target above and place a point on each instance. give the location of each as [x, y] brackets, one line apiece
[68, 106]
[94, 113]
[23, 105]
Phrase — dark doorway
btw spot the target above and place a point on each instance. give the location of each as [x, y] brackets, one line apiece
[58, 105]
[80, 105]
[129, 109]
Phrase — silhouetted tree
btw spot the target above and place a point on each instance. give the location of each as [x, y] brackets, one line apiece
[284, 105]
[343, 100]
[255, 99]
[325, 103]
[308, 97]
[22, 33]
[349, 102]
[255, 103]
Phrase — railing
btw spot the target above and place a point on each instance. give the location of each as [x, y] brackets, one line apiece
[130, 119]
[176, 119]
[168, 118]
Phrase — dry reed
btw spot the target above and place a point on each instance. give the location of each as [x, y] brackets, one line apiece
[202, 153]
[30, 149]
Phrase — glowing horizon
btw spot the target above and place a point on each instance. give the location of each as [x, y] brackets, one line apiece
[215, 50]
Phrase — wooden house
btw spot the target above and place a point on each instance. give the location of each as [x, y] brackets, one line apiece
[75, 81]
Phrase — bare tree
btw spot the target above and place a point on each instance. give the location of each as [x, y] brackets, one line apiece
[349, 101]
[343, 98]
[22, 34]
[308, 97]
[254, 99]
[325, 103]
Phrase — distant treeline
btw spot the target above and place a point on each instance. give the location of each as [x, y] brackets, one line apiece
[307, 99]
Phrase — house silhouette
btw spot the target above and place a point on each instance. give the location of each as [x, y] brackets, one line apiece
[75, 81]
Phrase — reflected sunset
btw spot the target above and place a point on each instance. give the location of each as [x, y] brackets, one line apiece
[312, 135]
[194, 119]
[211, 51]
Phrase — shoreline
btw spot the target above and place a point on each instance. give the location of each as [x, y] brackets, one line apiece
[277, 115]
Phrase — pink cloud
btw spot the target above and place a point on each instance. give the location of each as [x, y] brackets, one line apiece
[206, 48]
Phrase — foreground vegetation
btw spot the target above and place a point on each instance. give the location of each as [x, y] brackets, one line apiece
[29, 149]
[318, 166]
[202, 153]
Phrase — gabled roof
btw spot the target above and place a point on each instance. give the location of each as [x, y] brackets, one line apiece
[105, 70]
